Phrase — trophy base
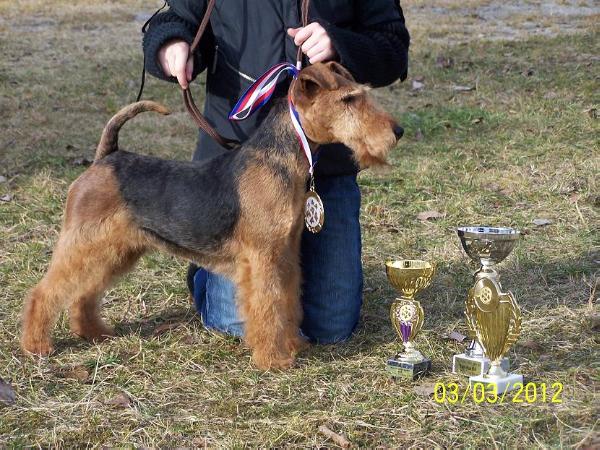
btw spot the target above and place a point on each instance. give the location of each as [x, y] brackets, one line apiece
[502, 384]
[472, 366]
[398, 368]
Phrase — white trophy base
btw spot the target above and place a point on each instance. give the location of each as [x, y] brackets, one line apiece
[503, 384]
[474, 365]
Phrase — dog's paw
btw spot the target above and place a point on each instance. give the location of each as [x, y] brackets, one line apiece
[272, 362]
[37, 347]
[94, 333]
[296, 344]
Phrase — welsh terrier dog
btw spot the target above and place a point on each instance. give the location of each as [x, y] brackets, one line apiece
[239, 214]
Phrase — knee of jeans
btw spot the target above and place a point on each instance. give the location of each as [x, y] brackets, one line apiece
[331, 334]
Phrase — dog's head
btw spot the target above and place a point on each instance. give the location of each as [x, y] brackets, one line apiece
[335, 108]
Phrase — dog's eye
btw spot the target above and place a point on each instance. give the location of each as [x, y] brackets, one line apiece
[350, 99]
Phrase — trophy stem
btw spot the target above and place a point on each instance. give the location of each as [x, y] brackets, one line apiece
[411, 353]
[475, 350]
[485, 271]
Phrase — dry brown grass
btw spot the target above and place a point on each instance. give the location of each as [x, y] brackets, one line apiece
[524, 145]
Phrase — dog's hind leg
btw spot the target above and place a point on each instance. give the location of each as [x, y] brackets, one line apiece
[84, 311]
[85, 261]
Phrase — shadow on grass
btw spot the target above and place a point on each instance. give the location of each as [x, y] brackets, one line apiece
[534, 285]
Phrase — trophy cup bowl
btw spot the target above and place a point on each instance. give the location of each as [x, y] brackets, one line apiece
[488, 246]
[408, 277]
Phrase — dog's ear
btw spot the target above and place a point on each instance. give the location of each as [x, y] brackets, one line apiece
[314, 79]
[336, 67]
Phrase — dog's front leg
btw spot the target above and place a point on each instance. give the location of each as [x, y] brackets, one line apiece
[268, 296]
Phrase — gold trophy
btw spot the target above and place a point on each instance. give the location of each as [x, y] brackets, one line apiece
[408, 277]
[493, 316]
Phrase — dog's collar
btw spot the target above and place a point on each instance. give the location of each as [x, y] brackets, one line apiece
[260, 92]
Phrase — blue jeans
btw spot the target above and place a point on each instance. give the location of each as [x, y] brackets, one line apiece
[331, 271]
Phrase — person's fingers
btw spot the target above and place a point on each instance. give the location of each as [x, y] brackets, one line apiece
[162, 59]
[317, 48]
[189, 68]
[179, 67]
[167, 69]
[303, 34]
[293, 31]
[325, 55]
[315, 38]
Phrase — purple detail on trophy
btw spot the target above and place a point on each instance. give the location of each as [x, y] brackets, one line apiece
[405, 328]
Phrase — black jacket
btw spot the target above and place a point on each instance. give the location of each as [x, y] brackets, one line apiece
[246, 37]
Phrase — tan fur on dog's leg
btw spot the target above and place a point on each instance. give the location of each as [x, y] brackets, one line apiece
[98, 242]
[267, 319]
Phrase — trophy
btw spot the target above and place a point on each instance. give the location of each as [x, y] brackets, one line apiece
[493, 317]
[408, 277]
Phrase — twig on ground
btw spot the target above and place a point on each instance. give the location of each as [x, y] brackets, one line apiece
[335, 437]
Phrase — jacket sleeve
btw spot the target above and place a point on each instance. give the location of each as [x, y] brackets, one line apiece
[375, 50]
[180, 21]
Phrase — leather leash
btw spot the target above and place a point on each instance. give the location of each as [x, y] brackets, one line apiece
[188, 100]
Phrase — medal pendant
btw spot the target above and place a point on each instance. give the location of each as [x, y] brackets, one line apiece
[314, 212]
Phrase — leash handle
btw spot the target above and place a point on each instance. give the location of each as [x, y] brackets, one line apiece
[304, 13]
[188, 100]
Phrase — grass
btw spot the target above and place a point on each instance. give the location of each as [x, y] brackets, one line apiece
[523, 145]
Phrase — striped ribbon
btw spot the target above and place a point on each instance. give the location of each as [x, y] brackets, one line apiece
[260, 92]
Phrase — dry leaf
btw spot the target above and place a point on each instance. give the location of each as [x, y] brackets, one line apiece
[428, 215]
[161, 329]
[477, 120]
[79, 373]
[574, 197]
[532, 345]
[592, 112]
[6, 198]
[458, 88]
[417, 85]
[456, 336]
[591, 442]
[542, 222]
[595, 323]
[424, 390]
[444, 62]
[189, 339]
[7, 393]
[338, 439]
[419, 135]
[550, 95]
[121, 400]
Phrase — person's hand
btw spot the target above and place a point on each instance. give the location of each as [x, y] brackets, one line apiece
[175, 59]
[315, 42]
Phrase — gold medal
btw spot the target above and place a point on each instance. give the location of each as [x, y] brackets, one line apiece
[314, 212]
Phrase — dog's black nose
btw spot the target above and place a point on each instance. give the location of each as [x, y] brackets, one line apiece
[398, 131]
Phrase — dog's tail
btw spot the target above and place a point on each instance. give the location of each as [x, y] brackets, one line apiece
[110, 136]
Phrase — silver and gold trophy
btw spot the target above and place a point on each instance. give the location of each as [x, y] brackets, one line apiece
[408, 277]
[493, 316]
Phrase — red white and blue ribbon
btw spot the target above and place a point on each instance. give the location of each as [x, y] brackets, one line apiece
[260, 92]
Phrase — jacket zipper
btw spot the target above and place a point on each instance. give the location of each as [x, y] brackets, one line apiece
[241, 74]
[214, 65]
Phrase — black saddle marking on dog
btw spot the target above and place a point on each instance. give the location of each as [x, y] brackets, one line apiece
[193, 205]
